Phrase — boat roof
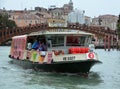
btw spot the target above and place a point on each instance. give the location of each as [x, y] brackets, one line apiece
[69, 32]
[20, 36]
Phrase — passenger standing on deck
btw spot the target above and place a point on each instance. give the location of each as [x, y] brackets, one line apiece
[35, 44]
[29, 46]
[42, 47]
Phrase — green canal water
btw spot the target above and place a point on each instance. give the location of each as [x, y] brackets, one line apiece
[102, 76]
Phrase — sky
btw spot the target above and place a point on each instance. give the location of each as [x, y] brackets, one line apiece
[92, 8]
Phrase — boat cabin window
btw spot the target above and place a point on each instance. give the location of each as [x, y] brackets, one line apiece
[60, 40]
[35, 42]
[75, 40]
[54, 41]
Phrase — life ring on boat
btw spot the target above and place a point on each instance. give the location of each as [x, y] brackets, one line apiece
[91, 55]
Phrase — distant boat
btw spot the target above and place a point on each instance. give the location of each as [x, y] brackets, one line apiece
[65, 51]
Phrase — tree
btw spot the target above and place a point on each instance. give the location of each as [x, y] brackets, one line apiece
[5, 22]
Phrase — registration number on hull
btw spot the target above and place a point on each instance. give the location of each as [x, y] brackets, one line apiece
[69, 58]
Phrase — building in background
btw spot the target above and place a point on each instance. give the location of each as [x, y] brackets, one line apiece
[88, 20]
[57, 13]
[76, 16]
[29, 17]
[40, 14]
[107, 21]
[56, 22]
[40, 9]
[68, 7]
[62, 12]
[23, 19]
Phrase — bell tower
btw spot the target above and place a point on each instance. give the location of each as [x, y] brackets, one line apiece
[70, 5]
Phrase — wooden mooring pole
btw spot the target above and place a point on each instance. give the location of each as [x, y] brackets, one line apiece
[105, 43]
[109, 41]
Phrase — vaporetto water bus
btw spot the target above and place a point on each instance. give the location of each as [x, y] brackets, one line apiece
[55, 50]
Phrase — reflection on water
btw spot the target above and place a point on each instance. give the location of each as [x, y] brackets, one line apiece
[106, 75]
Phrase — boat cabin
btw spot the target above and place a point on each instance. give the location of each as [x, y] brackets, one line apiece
[56, 42]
